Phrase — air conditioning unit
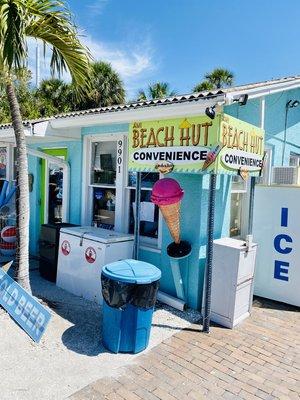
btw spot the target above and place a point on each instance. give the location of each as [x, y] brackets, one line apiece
[286, 176]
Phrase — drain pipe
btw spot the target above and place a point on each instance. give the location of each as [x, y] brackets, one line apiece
[171, 301]
[209, 253]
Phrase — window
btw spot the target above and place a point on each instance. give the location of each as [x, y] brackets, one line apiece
[3, 162]
[294, 160]
[265, 179]
[149, 216]
[237, 206]
[109, 190]
[103, 185]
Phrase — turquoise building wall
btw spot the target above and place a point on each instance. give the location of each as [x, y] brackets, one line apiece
[195, 202]
[275, 106]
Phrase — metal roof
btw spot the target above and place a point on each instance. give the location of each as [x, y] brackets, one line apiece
[192, 97]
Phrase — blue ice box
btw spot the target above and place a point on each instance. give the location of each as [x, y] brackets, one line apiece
[129, 289]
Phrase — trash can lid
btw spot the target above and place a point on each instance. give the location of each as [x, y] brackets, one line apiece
[132, 271]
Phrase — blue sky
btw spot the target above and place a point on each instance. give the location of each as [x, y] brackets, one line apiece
[178, 41]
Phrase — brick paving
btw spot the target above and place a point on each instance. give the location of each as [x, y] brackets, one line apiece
[260, 359]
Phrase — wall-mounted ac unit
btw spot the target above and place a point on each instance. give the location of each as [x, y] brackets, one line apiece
[286, 175]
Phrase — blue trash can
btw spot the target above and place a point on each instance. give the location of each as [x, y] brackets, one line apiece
[129, 290]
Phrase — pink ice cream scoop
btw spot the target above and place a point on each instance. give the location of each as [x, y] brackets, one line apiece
[166, 191]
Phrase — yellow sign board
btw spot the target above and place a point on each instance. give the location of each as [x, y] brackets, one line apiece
[196, 144]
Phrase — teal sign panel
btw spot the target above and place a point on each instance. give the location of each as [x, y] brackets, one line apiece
[22, 307]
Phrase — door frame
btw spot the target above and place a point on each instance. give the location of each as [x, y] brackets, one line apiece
[44, 195]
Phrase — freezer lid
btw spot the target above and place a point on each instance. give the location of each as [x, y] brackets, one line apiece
[97, 234]
[233, 243]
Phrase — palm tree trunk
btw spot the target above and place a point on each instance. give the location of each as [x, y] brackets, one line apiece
[22, 192]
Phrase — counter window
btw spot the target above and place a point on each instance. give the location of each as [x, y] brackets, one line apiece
[149, 213]
[104, 205]
[109, 196]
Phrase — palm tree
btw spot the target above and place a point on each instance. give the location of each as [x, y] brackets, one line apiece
[54, 96]
[107, 87]
[220, 77]
[156, 91]
[205, 85]
[51, 22]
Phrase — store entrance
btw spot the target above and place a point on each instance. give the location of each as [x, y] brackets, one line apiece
[52, 188]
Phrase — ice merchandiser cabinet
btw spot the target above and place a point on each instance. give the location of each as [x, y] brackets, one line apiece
[83, 251]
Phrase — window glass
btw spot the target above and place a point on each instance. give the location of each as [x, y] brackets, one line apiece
[149, 214]
[3, 162]
[104, 202]
[148, 179]
[103, 163]
[294, 160]
[236, 214]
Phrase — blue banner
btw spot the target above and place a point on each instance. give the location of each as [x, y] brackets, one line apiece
[22, 307]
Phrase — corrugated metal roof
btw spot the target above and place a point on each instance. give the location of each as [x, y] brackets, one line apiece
[191, 97]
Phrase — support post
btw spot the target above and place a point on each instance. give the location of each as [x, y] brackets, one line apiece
[137, 216]
[251, 204]
[209, 252]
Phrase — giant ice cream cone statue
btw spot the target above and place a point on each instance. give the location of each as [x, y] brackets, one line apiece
[167, 195]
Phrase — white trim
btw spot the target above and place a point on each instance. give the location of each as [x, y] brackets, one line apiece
[262, 112]
[151, 249]
[262, 90]
[144, 113]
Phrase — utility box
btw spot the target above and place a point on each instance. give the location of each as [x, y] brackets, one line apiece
[232, 281]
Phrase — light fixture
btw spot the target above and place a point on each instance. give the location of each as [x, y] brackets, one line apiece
[210, 112]
[243, 99]
[294, 104]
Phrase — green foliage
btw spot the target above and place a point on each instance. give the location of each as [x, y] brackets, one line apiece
[203, 86]
[54, 96]
[216, 79]
[26, 96]
[106, 88]
[156, 91]
[52, 23]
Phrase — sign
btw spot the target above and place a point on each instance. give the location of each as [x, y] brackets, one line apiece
[196, 145]
[276, 230]
[65, 248]
[90, 255]
[22, 307]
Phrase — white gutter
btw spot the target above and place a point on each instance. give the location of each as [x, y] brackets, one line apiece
[261, 91]
[188, 108]
[66, 179]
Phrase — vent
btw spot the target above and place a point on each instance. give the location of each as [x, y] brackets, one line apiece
[286, 176]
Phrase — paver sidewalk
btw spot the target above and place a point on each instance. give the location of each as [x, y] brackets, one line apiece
[260, 359]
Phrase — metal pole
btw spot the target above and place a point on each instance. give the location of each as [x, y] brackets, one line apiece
[251, 204]
[37, 60]
[137, 216]
[209, 252]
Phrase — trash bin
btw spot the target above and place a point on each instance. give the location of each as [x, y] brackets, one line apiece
[129, 289]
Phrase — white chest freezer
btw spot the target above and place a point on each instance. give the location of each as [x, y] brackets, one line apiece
[232, 281]
[83, 251]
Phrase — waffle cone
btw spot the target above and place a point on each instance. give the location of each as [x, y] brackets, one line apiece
[171, 214]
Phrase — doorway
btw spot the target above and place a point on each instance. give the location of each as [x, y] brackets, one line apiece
[52, 181]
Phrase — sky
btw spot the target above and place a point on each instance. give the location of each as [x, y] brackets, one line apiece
[179, 41]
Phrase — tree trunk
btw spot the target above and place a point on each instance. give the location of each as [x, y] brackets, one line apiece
[22, 192]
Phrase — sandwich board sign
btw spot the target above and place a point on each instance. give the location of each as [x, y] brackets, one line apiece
[32, 316]
[196, 144]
